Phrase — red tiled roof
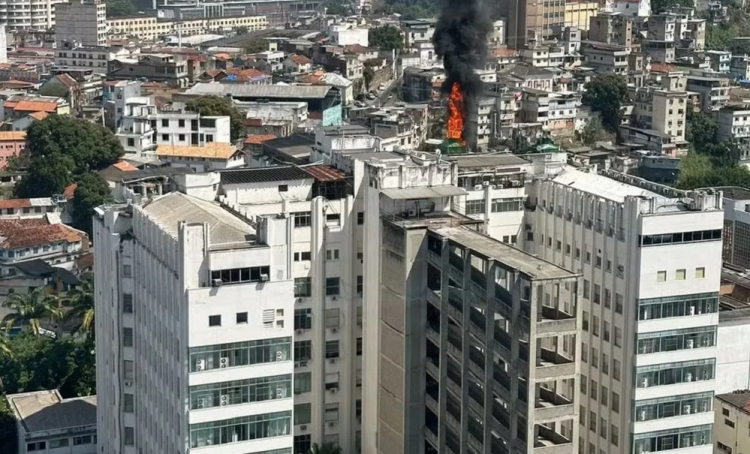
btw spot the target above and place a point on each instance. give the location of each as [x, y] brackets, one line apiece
[66, 80]
[70, 190]
[356, 49]
[124, 166]
[21, 233]
[503, 52]
[15, 203]
[323, 173]
[39, 115]
[35, 106]
[256, 139]
[300, 59]
[661, 67]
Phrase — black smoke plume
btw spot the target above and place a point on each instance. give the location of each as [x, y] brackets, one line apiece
[461, 41]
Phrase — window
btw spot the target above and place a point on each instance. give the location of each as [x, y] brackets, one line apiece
[214, 320]
[592, 421]
[241, 275]
[332, 412]
[127, 303]
[38, 446]
[502, 205]
[597, 293]
[584, 353]
[605, 364]
[165, 123]
[680, 275]
[302, 382]
[661, 276]
[615, 369]
[614, 435]
[615, 402]
[302, 414]
[128, 368]
[165, 137]
[332, 286]
[678, 306]
[360, 285]
[303, 319]
[240, 391]
[361, 218]
[604, 395]
[594, 357]
[129, 436]
[595, 329]
[618, 337]
[127, 270]
[681, 237]
[181, 123]
[672, 373]
[603, 428]
[127, 337]
[302, 350]
[333, 318]
[607, 298]
[700, 273]
[128, 403]
[475, 206]
[302, 219]
[618, 303]
[332, 349]
[605, 330]
[283, 188]
[181, 137]
[585, 321]
[59, 443]
[302, 287]
[584, 384]
[332, 254]
[241, 318]
[586, 289]
[359, 346]
[85, 440]
[302, 256]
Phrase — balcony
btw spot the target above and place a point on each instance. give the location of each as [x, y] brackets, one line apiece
[551, 406]
[454, 309]
[432, 404]
[434, 297]
[555, 322]
[433, 334]
[552, 365]
[503, 343]
[501, 414]
[431, 438]
[455, 345]
[550, 442]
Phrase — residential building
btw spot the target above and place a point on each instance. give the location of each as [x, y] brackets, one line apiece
[12, 143]
[579, 14]
[201, 158]
[348, 34]
[606, 57]
[45, 238]
[421, 85]
[612, 28]
[635, 8]
[45, 422]
[295, 63]
[178, 273]
[660, 109]
[143, 127]
[736, 232]
[713, 91]
[20, 71]
[27, 15]
[36, 208]
[151, 28]
[168, 68]
[650, 258]
[70, 56]
[19, 106]
[739, 67]
[732, 417]
[496, 38]
[419, 31]
[79, 88]
[83, 22]
[732, 362]
[533, 21]
[555, 111]
[719, 60]
[734, 124]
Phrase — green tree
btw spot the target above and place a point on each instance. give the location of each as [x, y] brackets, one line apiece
[31, 308]
[215, 105]
[91, 192]
[386, 38]
[606, 93]
[701, 130]
[5, 351]
[594, 132]
[256, 45]
[327, 448]
[657, 6]
[368, 74]
[8, 428]
[117, 8]
[80, 306]
[61, 149]
[338, 7]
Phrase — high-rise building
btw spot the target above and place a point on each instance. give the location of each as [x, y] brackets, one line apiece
[27, 15]
[81, 23]
[531, 21]
[650, 258]
[196, 308]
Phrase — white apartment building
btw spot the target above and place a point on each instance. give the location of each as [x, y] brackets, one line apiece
[199, 303]
[82, 22]
[651, 259]
[662, 110]
[25, 15]
[143, 127]
[734, 124]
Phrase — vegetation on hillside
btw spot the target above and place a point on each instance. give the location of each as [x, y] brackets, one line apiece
[606, 93]
[386, 38]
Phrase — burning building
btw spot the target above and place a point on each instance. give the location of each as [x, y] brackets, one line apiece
[461, 41]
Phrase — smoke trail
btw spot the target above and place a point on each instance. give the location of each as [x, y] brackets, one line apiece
[461, 41]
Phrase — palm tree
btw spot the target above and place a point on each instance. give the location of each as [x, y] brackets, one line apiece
[5, 351]
[30, 308]
[80, 304]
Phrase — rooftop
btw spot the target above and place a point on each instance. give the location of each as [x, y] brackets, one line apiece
[213, 150]
[12, 135]
[739, 399]
[224, 227]
[601, 185]
[733, 192]
[23, 233]
[324, 174]
[260, 91]
[491, 249]
[488, 160]
[46, 410]
[26, 203]
[264, 175]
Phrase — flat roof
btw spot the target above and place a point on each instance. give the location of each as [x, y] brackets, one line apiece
[46, 410]
[423, 192]
[739, 399]
[492, 249]
[732, 192]
[224, 227]
[600, 185]
[264, 175]
[260, 91]
[487, 160]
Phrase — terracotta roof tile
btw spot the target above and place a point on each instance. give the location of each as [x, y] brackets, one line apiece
[70, 191]
[12, 135]
[39, 115]
[124, 166]
[323, 173]
[300, 59]
[258, 138]
[22, 233]
[15, 203]
[36, 106]
[214, 150]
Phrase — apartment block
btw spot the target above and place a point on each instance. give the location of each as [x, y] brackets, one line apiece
[650, 258]
[28, 15]
[732, 421]
[151, 27]
[713, 91]
[662, 110]
[734, 124]
[83, 22]
[200, 306]
[533, 21]
[612, 28]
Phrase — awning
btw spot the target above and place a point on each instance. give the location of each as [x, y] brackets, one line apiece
[423, 193]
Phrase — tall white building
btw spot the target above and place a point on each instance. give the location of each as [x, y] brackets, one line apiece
[81, 22]
[196, 304]
[25, 15]
[650, 257]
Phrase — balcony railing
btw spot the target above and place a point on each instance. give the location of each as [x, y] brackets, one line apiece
[554, 365]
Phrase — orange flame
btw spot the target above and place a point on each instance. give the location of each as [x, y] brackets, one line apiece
[455, 123]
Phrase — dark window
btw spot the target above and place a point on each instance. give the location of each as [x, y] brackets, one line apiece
[332, 286]
[302, 350]
[360, 218]
[332, 349]
[241, 275]
[360, 285]
[302, 219]
[127, 303]
[131, 142]
[359, 346]
[283, 188]
[303, 319]
[681, 237]
[214, 320]
[302, 287]
[241, 317]
[181, 123]
[165, 123]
